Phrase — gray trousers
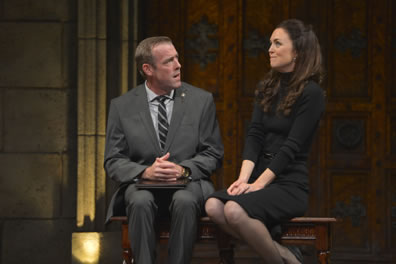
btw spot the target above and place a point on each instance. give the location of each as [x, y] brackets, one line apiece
[184, 207]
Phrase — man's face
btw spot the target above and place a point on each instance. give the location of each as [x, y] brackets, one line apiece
[164, 75]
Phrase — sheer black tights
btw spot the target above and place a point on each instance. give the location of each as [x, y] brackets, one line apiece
[232, 218]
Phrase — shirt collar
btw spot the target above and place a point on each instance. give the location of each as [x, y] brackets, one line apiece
[151, 95]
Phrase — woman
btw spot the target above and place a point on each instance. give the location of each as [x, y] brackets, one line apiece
[273, 182]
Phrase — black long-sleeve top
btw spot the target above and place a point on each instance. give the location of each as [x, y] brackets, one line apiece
[289, 137]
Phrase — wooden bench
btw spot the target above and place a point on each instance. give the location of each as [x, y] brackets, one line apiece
[313, 231]
[207, 230]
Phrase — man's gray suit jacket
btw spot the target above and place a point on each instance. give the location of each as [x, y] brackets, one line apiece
[132, 145]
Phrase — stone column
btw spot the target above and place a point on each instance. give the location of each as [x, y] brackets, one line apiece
[91, 114]
[91, 243]
[88, 244]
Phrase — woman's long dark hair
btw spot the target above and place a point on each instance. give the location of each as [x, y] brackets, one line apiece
[308, 66]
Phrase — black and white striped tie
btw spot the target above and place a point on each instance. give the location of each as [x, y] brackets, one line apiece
[162, 120]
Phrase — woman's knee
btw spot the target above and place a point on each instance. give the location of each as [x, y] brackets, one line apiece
[234, 213]
[214, 207]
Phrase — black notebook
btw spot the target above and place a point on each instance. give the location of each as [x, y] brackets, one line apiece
[147, 184]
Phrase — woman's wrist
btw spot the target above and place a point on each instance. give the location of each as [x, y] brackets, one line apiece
[243, 178]
[265, 178]
[259, 184]
[246, 170]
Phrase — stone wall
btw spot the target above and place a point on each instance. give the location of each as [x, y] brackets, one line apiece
[38, 120]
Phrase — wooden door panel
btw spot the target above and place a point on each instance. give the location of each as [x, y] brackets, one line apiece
[350, 196]
[391, 146]
[244, 118]
[354, 132]
[349, 135]
[391, 212]
[259, 18]
[390, 164]
[202, 61]
[163, 17]
[348, 60]
[391, 56]
[217, 178]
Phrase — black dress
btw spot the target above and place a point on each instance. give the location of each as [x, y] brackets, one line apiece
[289, 138]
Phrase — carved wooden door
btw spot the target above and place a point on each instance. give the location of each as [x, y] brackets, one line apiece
[223, 49]
[357, 175]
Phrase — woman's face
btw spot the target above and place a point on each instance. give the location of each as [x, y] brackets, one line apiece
[281, 51]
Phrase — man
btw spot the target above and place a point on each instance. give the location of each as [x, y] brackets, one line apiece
[162, 130]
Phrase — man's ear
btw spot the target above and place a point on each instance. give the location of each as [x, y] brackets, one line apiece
[147, 69]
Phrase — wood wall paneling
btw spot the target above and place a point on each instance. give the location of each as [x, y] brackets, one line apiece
[349, 27]
[392, 54]
[230, 49]
[201, 46]
[377, 67]
[316, 192]
[390, 165]
[349, 201]
[243, 124]
[391, 81]
[349, 135]
[392, 136]
[391, 225]
[259, 18]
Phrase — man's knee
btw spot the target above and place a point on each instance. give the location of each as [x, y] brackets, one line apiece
[139, 199]
[233, 213]
[184, 201]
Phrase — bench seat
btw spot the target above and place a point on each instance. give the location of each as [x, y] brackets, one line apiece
[314, 231]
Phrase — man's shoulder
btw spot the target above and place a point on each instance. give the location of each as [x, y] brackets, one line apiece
[130, 95]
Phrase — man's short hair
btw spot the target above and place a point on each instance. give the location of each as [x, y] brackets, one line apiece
[143, 52]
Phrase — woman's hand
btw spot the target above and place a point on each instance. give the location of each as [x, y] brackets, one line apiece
[238, 187]
[254, 187]
[241, 187]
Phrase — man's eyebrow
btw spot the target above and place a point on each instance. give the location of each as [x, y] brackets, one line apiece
[168, 59]
[171, 58]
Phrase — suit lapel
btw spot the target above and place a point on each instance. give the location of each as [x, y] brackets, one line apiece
[145, 116]
[179, 107]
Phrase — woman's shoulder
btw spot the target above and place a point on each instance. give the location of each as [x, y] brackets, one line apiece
[312, 88]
